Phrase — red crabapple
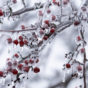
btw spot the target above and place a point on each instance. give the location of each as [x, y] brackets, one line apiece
[41, 31]
[48, 11]
[46, 22]
[36, 70]
[54, 1]
[78, 38]
[40, 13]
[37, 60]
[16, 55]
[9, 63]
[9, 69]
[53, 17]
[45, 37]
[76, 23]
[52, 30]
[31, 61]
[15, 42]
[23, 27]
[25, 42]
[82, 50]
[15, 63]
[1, 73]
[26, 69]
[20, 66]
[65, 2]
[20, 37]
[14, 1]
[14, 71]
[79, 68]
[58, 3]
[21, 43]
[9, 40]
[1, 13]
[26, 62]
[68, 65]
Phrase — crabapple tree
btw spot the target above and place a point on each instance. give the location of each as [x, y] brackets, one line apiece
[26, 42]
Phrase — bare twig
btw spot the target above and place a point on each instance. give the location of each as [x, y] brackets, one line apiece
[12, 31]
[62, 84]
[23, 3]
[23, 10]
[84, 60]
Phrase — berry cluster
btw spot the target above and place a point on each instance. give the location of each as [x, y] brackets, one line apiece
[21, 41]
[71, 61]
[15, 67]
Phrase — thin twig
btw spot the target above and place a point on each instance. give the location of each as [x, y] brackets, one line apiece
[12, 31]
[84, 60]
[23, 10]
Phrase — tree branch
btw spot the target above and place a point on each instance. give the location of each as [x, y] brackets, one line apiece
[23, 10]
[84, 60]
[12, 31]
[62, 84]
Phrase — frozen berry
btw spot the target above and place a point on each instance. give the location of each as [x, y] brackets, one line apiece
[54, 1]
[79, 68]
[9, 40]
[23, 27]
[25, 42]
[16, 55]
[15, 42]
[45, 37]
[48, 11]
[15, 63]
[65, 2]
[78, 38]
[20, 37]
[53, 17]
[68, 65]
[82, 50]
[37, 60]
[21, 43]
[20, 66]
[41, 31]
[1, 73]
[9, 63]
[36, 70]
[46, 22]
[26, 69]
[9, 69]
[26, 62]
[76, 23]
[14, 71]
[14, 1]
[52, 30]
[31, 61]
[1, 13]
[40, 13]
